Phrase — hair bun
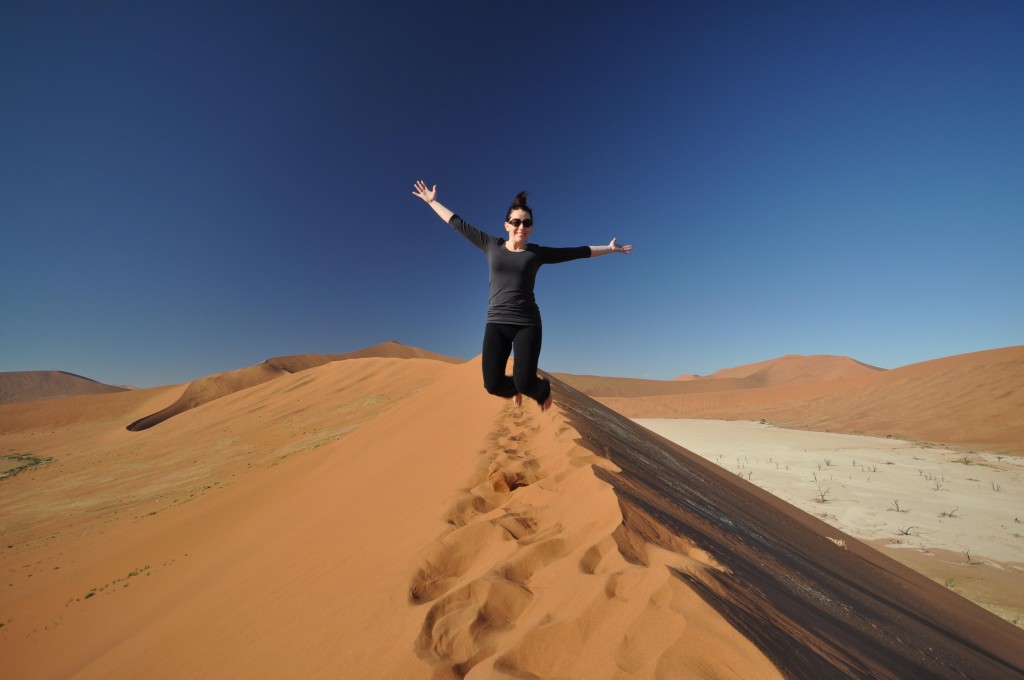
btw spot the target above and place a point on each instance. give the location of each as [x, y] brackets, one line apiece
[519, 203]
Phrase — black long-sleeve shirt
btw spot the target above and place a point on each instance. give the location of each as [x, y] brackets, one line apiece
[513, 274]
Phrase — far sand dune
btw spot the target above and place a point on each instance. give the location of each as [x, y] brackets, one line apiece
[972, 400]
[20, 386]
[385, 518]
[205, 390]
[792, 369]
[44, 417]
[600, 386]
[796, 369]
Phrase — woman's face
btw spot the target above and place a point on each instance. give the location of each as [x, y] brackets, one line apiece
[517, 235]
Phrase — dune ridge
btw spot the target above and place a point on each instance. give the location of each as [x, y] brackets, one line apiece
[386, 518]
[529, 580]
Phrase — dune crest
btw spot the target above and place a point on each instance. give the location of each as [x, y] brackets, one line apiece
[539, 574]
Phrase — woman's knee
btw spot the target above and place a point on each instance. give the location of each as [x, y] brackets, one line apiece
[493, 386]
[499, 385]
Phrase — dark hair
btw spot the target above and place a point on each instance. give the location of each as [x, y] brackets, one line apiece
[519, 203]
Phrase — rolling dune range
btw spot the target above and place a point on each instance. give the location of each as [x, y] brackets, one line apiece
[382, 517]
[972, 400]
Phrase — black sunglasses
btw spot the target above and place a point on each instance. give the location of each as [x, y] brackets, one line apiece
[526, 223]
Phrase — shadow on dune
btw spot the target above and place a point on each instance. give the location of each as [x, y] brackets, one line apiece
[819, 603]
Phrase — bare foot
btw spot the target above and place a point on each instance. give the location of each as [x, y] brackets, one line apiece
[517, 400]
[547, 404]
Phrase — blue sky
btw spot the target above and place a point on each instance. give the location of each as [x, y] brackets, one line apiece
[188, 188]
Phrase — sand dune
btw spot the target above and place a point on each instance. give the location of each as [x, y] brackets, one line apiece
[384, 518]
[600, 386]
[21, 386]
[794, 369]
[973, 400]
[205, 390]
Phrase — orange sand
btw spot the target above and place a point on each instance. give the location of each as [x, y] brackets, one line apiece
[384, 518]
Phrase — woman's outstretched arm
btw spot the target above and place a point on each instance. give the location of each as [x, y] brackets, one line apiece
[613, 247]
[430, 196]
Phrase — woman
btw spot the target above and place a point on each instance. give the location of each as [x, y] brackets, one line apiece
[513, 318]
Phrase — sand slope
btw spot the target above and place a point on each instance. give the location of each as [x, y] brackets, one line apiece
[973, 400]
[386, 518]
[20, 386]
[205, 390]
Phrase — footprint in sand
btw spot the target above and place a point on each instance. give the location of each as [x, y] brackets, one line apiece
[452, 557]
[476, 577]
[460, 630]
[467, 508]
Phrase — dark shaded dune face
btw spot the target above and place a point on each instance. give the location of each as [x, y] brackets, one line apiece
[208, 389]
[816, 609]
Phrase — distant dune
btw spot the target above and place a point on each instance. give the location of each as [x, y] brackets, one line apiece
[19, 386]
[385, 518]
[796, 369]
[792, 369]
[205, 390]
[972, 400]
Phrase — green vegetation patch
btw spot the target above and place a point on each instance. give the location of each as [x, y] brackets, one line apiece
[19, 462]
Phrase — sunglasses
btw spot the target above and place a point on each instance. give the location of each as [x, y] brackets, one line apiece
[526, 223]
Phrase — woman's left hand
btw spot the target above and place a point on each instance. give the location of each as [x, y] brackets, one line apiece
[616, 248]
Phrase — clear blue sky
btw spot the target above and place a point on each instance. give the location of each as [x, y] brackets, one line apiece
[193, 187]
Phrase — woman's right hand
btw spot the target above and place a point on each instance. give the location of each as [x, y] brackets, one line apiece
[428, 195]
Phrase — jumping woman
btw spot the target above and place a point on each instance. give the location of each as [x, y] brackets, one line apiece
[513, 318]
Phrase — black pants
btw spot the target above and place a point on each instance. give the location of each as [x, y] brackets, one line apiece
[499, 341]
